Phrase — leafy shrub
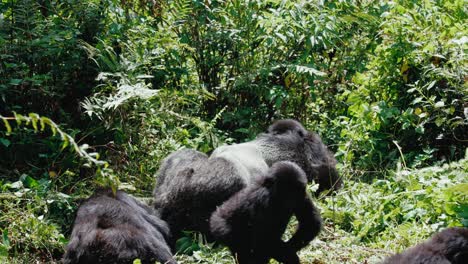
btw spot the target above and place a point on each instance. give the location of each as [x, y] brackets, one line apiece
[36, 214]
[410, 203]
[412, 90]
[43, 69]
[383, 83]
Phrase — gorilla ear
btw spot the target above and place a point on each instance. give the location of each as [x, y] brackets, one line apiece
[268, 182]
[300, 133]
[311, 137]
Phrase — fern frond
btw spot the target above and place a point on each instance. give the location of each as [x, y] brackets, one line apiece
[39, 123]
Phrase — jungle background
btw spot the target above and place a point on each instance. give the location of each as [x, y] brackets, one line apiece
[97, 92]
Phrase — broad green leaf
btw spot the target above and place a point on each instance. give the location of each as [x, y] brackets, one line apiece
[439, 104]
[15, 81]
[5, 142]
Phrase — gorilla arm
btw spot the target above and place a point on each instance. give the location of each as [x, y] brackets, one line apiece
[310, 224]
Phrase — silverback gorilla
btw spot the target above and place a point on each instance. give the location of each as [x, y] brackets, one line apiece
[190, 185]
[252, 221]
[117, 229]
[447, 247]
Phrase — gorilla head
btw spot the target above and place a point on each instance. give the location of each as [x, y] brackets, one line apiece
[117, 229]
[191, 185]
[447, 247]
[287, 125]
[316, 160]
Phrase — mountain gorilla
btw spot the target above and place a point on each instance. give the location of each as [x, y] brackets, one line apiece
[447, 247]
[252, 221]
[117, 229]
[190, 185]
[321, 161]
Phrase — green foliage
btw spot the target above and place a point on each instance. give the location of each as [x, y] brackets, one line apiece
[42, 68]
[35, 214]
[148, 97]
[29, 232]
[413, 87]
[189, 243]
[36, 210]
[360, 73]
[39, 123]
[383, 83]
[431, 198]
[208, 254]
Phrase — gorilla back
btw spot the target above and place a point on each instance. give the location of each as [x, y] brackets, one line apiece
[191, 185]
[449, 246]
[117, 229]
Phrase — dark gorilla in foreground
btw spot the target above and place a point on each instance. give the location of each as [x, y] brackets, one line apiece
[117, 229]
[252, 221]
[190, 185]
[447, 247]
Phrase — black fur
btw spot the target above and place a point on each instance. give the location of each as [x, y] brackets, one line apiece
[252, 222]
[321, 164]
[191, 185]
[287, 125]
[117, 229]
[447, 247]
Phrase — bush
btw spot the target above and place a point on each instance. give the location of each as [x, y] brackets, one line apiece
[383, 83]
[408, 200]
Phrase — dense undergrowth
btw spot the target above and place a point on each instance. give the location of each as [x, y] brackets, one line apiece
[114, 86]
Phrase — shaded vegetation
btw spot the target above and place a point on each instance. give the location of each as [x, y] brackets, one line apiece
[383, 83]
